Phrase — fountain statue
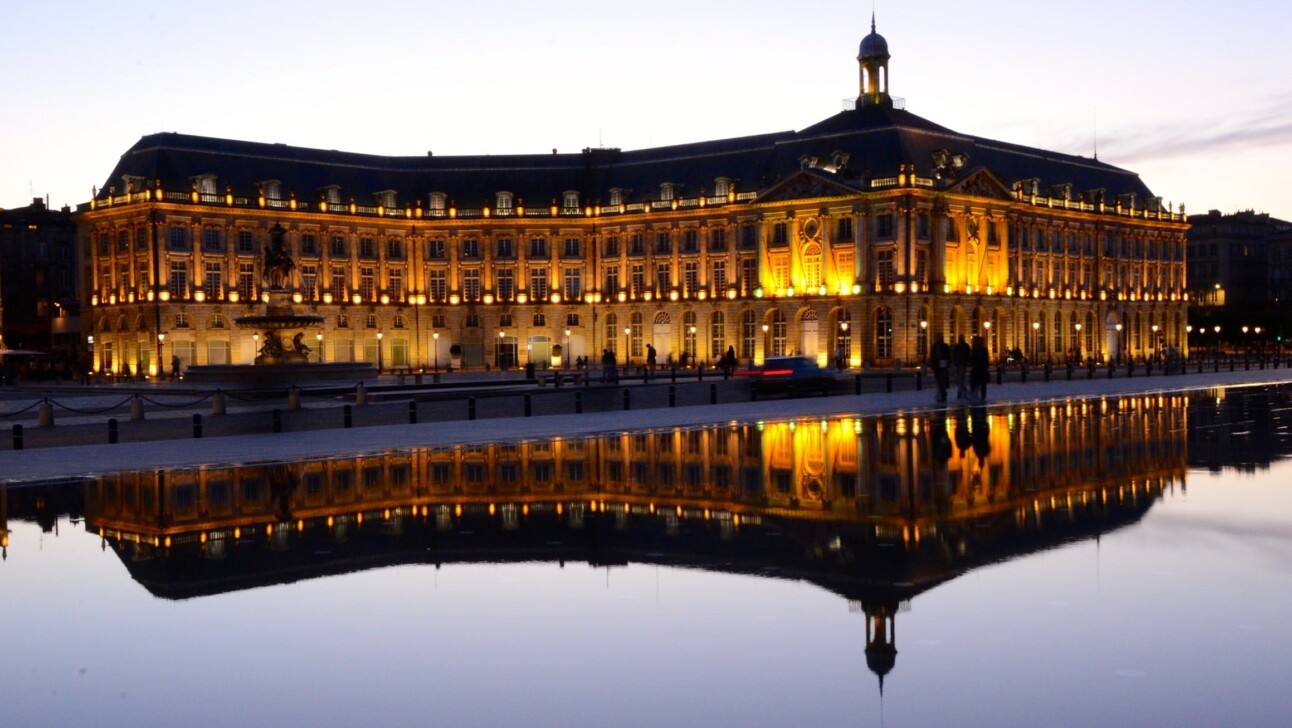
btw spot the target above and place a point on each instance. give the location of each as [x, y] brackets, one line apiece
[283, 356]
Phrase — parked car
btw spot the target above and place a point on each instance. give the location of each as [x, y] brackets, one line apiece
[791, 375]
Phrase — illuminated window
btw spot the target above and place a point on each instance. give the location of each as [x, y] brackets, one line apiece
[470, 248]
[471, 284]
[570, 202]
[505, 248]
[573, 283]
[538, 247]
[884, 333]
[506, 284]
[367, 283]
[336, 247]
[570, 248]
[338, 287]
[538, 283]
[435, 204]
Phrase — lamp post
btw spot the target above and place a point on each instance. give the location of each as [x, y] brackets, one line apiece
[1120, 348]
[319, 338]
[1077, 348]
[844, 360]
[417, 301]
[1188, 334]
[987, 325]
[435, 344]
[691, 346]
[255, 355]
[565, 354]
[1036, 341]
[89, 345]
[767, 344]
[161, 339]
[1154, 328]
[627, 332]
[500, 360]
[1216, 329]
[160, 342]
[380, 353]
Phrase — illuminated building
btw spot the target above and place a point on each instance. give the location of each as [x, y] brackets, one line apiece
[849, 233]
[38, 265]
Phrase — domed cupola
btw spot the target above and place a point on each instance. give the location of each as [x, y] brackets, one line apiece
[873, 59]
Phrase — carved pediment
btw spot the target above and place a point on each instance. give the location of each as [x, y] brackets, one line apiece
[805, 185]
[982, 183]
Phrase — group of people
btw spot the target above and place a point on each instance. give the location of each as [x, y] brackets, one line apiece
[969, 364]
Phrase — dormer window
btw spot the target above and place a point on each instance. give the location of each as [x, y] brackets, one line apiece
[721, 186]
[668, 191]
[273, 189]
[386, 198]
[332, 194]
[839, 160]
[205, 184]
[617, 195]
[807, 161]
[436, 203]
[504, 203]
[131, 183]
[570, 201]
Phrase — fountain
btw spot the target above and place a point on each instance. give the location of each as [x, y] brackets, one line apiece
[283, 356]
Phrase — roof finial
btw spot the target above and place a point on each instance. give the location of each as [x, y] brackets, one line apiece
[872, 20]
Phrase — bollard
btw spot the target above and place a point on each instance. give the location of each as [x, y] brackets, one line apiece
[753, 394]
[556, 380]
[1247, 365]
[46, 417]
[1024, 375]
[1217, 361]
[471, 408]
[919, 381]
[1148, 369]
[856, 384]
[347, 417]
[672, 394]
[713, 394]
[17, 437]
[418, 379]
[1048, 369]
[1000, 374]
[529, 405]
[197, 427]
[412, 412]
[293, 399]
[1231, 365]
[627, 401]
[578, 403]
[674, 374]
[1069, 371]
[888, 383]
[136, 409]
[1111, 369]
[699, 373]
[1090, 371]
[361, 395]
[278, 420]
[112, 430]
[217, 403]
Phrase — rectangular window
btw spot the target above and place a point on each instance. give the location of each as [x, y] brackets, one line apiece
[246, 242]
[506, 284]
[211, 239]
[718, 240]
[309, 280]
[395, 284]
[748, 275]
[471, 284]
[213, 280]
[141, 238]
[395, 248]
[612, 246]
[885, 273]
[718, 276]
[538, 284]
[843, 230]
[780, 234]
[538, 247]
[309, 244]
[470, 249]
[690, 241]
[636, 245]
[505, 248]
[663, 244]
[178, 238]
[922, 226]
[437, 285]
[435, 249]
[571, 248]
[691, 278]
[663, 277]
[177, 283]
[339, 288]
[573, 284]
[884, 227]
[368, 283]
[336, 247]
[748, 237]
[638, 279]
[367, 248]
[610, 280]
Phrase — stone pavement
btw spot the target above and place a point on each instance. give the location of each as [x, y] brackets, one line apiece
[96, 459]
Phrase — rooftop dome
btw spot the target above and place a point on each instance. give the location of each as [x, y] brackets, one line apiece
[873, 44]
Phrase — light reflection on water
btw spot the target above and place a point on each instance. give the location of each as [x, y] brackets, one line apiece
[1114, 563]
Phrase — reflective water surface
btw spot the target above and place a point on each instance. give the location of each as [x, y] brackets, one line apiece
[1110, 562]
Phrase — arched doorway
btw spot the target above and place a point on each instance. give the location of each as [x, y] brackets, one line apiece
[808, 329]
[661, 337]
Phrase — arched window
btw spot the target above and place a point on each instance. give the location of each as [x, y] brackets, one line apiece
[884, 333]
[717, 335]
[842, 334]
[1038, 333]
[748, 334]
[812, 268]
[635, 343]
[689, 335]
[612, 332]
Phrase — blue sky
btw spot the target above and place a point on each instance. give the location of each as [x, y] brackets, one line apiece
[1190, 95]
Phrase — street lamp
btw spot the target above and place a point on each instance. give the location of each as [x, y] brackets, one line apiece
[767, 345]
[1077, 348]
[319, 338]
[380, 353]
[1216, 330]
[435, 338]
[692, 347]
[161, 339]
[255, 356]
[565, 355]
[501, 361]
[1119, 342]
[1036, 341]
[627, 331]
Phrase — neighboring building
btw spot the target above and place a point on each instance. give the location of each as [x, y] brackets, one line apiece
[870, 231]
[38, 282]
[1231, 262]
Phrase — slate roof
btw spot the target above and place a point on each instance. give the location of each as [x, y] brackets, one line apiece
[877, 138]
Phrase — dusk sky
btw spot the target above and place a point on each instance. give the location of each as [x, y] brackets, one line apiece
[1192, 96]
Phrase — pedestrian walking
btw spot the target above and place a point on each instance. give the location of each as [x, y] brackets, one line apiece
[960, 366]
[940, 363]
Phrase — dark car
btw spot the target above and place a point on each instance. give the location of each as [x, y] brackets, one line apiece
[791, 375]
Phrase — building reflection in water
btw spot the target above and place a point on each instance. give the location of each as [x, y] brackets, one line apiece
[875, 510]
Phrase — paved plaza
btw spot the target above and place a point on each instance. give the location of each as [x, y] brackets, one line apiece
[652, 412]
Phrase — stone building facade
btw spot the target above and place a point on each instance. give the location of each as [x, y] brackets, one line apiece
[868, 232]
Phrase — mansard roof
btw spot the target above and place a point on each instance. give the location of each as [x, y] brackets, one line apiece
[874, 140]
